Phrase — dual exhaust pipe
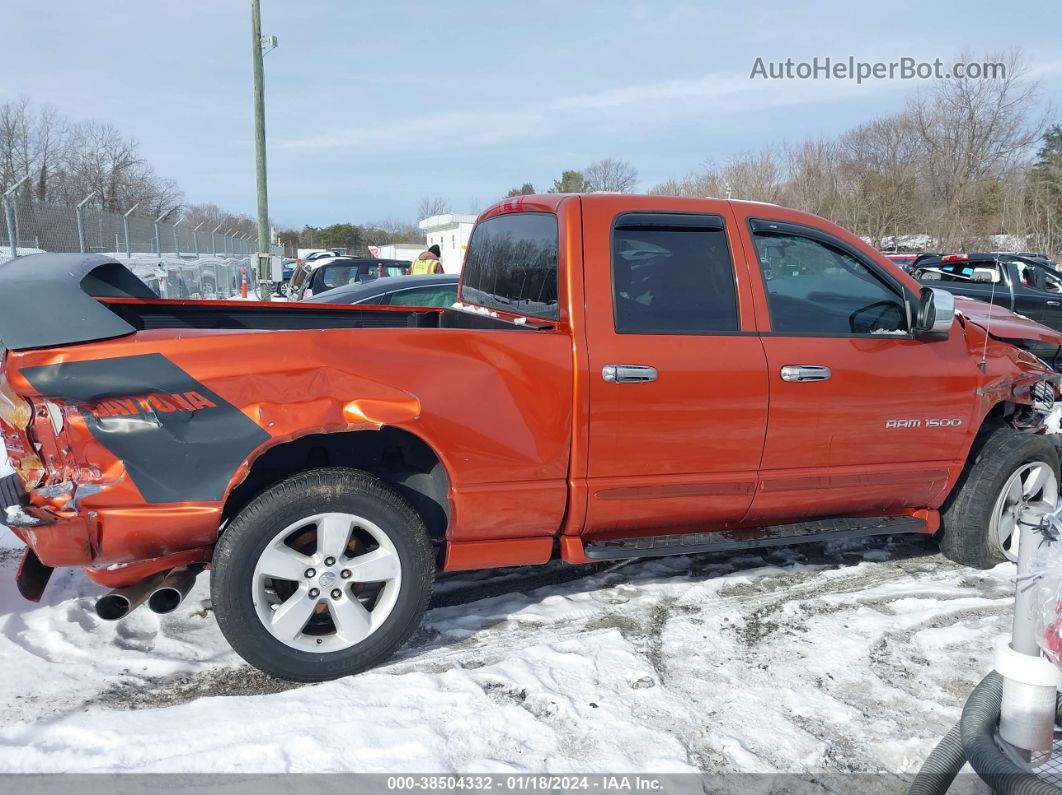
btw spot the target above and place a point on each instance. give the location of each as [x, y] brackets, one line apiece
[163, 592]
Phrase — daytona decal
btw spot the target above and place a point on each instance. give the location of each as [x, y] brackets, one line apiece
[179, 441]
[149, 404]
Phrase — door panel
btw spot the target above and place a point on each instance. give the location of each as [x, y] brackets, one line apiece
[863, 441]
[679, 452]
[883, 431]
[1042, 299]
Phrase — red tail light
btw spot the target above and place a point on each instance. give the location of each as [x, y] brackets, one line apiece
[953, 258]
[15, 411]
[513, 205]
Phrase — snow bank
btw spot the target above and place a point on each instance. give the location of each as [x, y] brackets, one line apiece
[842, 658]
[5, 252]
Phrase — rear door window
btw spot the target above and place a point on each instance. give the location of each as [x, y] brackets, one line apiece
[672, 274]
[511, 265]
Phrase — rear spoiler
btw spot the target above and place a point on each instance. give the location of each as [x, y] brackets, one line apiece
[50, 299]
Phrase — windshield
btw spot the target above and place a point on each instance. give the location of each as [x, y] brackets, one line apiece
[339, 274]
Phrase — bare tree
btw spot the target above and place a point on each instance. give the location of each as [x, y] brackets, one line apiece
[98, 159]
[51, 135]
[813, 183]
[878, 162]
[31, 143]
[757, 177]
[611, 175]
[432, 205]
[973, 131]
[395, 230]
[951, 171]
[211, 216]
[704, 182]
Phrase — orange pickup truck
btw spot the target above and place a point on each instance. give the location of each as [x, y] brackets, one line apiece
[623, 376]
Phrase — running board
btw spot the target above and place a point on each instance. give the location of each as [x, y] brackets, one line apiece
[752, 538]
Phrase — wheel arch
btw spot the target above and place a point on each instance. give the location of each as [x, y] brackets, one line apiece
[1001, 414]
[397, 456]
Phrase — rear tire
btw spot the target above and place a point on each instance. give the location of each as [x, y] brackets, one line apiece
[1009, 469]
[323, 575]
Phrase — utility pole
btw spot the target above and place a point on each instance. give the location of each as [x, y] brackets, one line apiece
[265, 279]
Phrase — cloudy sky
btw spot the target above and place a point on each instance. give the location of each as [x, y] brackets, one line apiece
[372, 105]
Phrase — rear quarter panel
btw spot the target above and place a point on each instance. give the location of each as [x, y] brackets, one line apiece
[494, 405]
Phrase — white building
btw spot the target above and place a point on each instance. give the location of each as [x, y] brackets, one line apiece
[405, 251]
[450, 232]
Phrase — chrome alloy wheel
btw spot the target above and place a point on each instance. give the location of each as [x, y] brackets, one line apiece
[326, 582]
[1031, 482]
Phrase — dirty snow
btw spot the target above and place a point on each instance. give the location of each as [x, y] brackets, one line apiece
[849, 657]
[5, 252]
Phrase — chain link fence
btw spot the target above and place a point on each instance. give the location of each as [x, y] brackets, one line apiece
[202, 279]
[174, 259]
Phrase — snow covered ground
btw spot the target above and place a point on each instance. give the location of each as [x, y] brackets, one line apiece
[849, 657]
[840, 657]
[5, 252]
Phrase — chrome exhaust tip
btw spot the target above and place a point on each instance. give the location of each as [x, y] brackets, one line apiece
[168, 596]
[122, 601]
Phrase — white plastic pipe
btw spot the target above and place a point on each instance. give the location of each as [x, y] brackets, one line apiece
[1027, 712]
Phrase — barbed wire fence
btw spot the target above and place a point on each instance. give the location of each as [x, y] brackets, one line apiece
[173, 258]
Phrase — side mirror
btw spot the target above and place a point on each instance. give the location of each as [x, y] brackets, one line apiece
[936, 313]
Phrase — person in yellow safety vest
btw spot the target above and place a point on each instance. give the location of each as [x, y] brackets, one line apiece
[427, 262]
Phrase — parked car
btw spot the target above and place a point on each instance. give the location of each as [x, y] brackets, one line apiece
[1046, 260]
[904, 261]
[312, 278]
[423, 290]
[1021, 284]
[618, 380]
[288, 266]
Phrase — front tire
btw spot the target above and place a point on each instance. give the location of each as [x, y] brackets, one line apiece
[1008, 471]
[323, 575]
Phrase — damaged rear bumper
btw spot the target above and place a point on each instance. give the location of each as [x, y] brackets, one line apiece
[32, 576]
[142, 538]
[13, 498]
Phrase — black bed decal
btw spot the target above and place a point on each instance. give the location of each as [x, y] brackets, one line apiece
[179, 441]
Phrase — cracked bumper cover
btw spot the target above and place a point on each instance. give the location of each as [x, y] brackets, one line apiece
[12, 493]
[56, 539]
[32, 576]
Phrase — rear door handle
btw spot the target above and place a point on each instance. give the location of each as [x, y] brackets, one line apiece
[1053, 303]
[805, 372]
[628, 373]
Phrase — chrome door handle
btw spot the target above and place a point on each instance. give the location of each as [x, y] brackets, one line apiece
[1053, 303]
[805, 372]
[628, 373]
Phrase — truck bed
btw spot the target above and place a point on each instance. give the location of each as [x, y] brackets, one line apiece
[60, 299]
[146, 315]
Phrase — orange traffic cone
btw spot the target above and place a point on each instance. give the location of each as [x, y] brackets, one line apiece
[243, 285]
